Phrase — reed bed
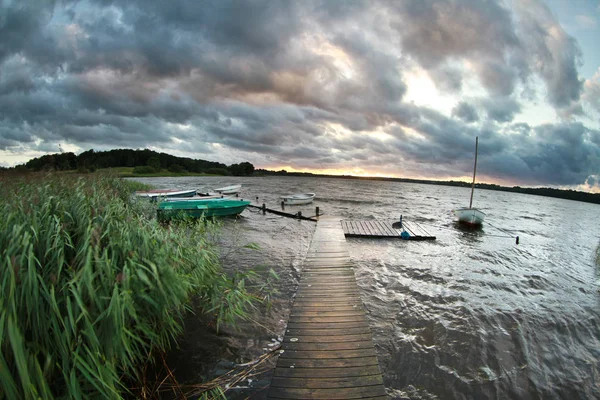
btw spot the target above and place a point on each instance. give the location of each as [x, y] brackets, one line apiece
[91, 287]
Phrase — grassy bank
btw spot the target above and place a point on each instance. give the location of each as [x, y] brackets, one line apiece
[92, 287]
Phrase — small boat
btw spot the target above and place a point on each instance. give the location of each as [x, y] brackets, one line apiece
[297, 199]
[470, 215]
[216, 196]
[233, 189]
[200, 208]
[167, 193]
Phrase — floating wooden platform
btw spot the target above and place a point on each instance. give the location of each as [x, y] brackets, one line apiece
[383, 229]
[328, 350]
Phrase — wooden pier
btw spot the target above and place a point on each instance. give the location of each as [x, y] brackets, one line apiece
[327, 351]
[384, 229]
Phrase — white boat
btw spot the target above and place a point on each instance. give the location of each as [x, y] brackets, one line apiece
[167, 193]
[198, 198]
[233, 189]
[470, 215]
[297, 199]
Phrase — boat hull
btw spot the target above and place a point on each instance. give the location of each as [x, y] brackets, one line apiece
[153, 194]
[298, 199]
[233, 189]
[200, 208]
[471, 216]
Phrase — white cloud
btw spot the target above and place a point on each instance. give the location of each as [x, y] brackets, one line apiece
[586, 21]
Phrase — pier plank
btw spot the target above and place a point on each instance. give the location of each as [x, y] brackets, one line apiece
[327, 351]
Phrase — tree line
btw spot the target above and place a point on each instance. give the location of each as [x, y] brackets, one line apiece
[544, 191]
[143, 162]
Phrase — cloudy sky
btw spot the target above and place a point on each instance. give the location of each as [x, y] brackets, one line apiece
[388, 88]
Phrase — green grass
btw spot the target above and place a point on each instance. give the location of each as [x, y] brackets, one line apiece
[91, 286]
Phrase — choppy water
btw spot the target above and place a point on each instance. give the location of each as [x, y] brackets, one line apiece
[471, 315]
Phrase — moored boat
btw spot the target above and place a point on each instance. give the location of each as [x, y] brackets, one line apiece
[200, 208]
[298, 199]
[470, 215]
[200, 197]
[233, 189]
[167, 193]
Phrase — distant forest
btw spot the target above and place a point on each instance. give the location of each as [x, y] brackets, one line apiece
[145, 162]
[548, 192]
[142, 161]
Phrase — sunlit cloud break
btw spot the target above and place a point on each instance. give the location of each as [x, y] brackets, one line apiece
[381, 88]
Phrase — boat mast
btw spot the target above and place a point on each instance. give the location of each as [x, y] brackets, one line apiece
[474, 171]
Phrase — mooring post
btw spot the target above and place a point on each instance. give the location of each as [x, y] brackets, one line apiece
[257, 199]
[317, 211]
[264, 208]
[299, 214]
[517, 241]
[400, 221]
[282, 205]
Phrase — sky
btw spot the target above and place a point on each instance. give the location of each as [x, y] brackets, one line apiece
[370, 88]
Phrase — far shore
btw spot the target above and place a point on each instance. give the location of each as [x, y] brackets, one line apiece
[127, 172]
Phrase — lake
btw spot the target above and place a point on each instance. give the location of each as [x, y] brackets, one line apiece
[470, 315]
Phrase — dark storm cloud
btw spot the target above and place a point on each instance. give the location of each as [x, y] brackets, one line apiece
[550, 52]
[466, 112]
[304, 82]
[500, 109]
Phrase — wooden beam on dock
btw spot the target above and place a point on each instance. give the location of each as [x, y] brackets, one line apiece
[378, 229]
[283, 214]
[327, 350]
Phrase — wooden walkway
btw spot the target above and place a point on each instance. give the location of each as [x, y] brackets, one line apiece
[327, 349]
[383, 229]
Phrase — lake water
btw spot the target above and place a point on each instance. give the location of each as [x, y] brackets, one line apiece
[470, 315]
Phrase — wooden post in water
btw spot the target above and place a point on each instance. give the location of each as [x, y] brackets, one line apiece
[317, 211]
[264, 208]
[283, 205]
[299, 214]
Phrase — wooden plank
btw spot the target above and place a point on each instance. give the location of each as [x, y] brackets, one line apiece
[329, 320]
[295, 332]
[327, 312]
[320, 292]
[389, 230]
[320, 303]
[383, 228]
[309, 292]
[330, 394]
[324, 383]
[365, 227]
[330, 346]
[326, 363]
[324, 325]
[335, 354]
[328, 339]
[327, 372]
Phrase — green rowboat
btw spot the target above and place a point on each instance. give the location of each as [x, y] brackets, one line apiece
[200, 208]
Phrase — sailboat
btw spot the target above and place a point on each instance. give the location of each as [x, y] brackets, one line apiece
[470, 215]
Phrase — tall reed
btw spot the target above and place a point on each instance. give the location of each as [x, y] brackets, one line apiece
[90, 286]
